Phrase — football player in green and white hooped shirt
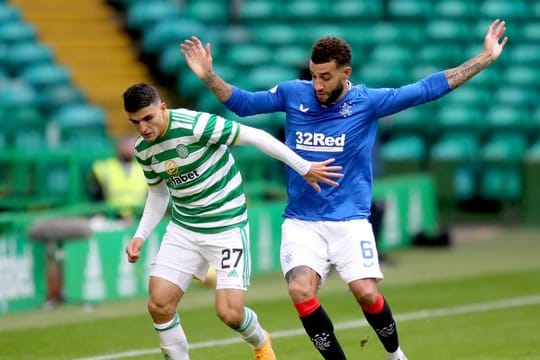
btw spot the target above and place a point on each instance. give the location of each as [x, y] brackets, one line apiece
[185, 157]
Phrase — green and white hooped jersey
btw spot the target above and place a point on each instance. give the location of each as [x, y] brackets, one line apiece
[193, 158]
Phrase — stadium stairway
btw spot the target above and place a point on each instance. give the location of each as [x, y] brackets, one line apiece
[89, 41]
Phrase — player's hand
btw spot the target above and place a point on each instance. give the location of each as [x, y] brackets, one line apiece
[133, 249]
[322, 172]
[492, 41]
[197, 56]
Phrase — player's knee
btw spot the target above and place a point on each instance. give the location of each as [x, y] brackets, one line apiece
[230, 316]
[300, 291]
[160, 309]
[367, 297]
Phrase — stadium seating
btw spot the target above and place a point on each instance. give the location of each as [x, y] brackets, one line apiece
[501, 158]
[409, 8]
[81, 126]
[27, 54]
[15, 32]
[404, 154]
[146, 13]
[478, 133]
[455, 166]
[170, 31]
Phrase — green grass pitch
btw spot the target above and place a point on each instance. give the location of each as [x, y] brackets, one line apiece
[478, 299]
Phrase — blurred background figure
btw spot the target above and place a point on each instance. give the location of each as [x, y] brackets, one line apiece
[119, 180]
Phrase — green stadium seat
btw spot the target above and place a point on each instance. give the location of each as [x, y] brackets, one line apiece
[188, 85]
[82, 126]
[504, 9]
[458, 9]
[503, 184]
[463, 147]
[320, 31]
[375, 75]
[346, 10]
[146, 13]
[44, 76]
[454, 165]
[521, 75]
[291, 56]
[404, 154]
[409, 8]
[459, 118]
[300, 10]
[529, 32]
[501, 158]
[504, 118]
[266, 77]
[170, 60]
[524, 54]
[441, 54]
[392, 55]
[208, 11]
[403, 32]
[447, 30]
[26, 54]
[171, 31]
[259, 10]
[470, 95]
[276, 34]
[249, 55]
[15, 32]
[415, 120]
[515, 96]
[504, 147]
[9, 13]
[16, 93]
[27, 129]
[59, 96]
[30, 140]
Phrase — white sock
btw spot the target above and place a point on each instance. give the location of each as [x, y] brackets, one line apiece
[396, 355]
[250, 330]
[172, 339]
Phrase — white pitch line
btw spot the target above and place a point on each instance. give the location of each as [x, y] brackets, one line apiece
[415, 315]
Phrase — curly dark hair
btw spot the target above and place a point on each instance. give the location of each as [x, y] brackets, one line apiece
[139, 96]
[331, 49]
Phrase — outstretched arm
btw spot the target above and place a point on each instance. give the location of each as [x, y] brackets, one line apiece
[313, 172]
[199, 60]
[493, 46]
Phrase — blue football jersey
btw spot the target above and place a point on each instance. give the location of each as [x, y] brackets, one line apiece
[345, 131]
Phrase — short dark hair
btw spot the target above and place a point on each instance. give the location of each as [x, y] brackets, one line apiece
[139, 96]
[331, 49]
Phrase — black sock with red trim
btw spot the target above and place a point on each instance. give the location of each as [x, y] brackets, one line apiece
[320, 329]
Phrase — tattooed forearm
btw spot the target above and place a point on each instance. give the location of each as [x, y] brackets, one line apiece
[218, 86]
[464, 72]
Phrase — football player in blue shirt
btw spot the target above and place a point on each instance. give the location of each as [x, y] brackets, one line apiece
[330, 116]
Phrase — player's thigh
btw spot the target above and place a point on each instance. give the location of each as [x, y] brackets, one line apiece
[301, 245]
[228, 253]
[353, 249]
[179, 251]
[164, 295]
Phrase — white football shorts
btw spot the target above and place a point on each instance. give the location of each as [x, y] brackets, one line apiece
[185, 254]
[349, 246]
